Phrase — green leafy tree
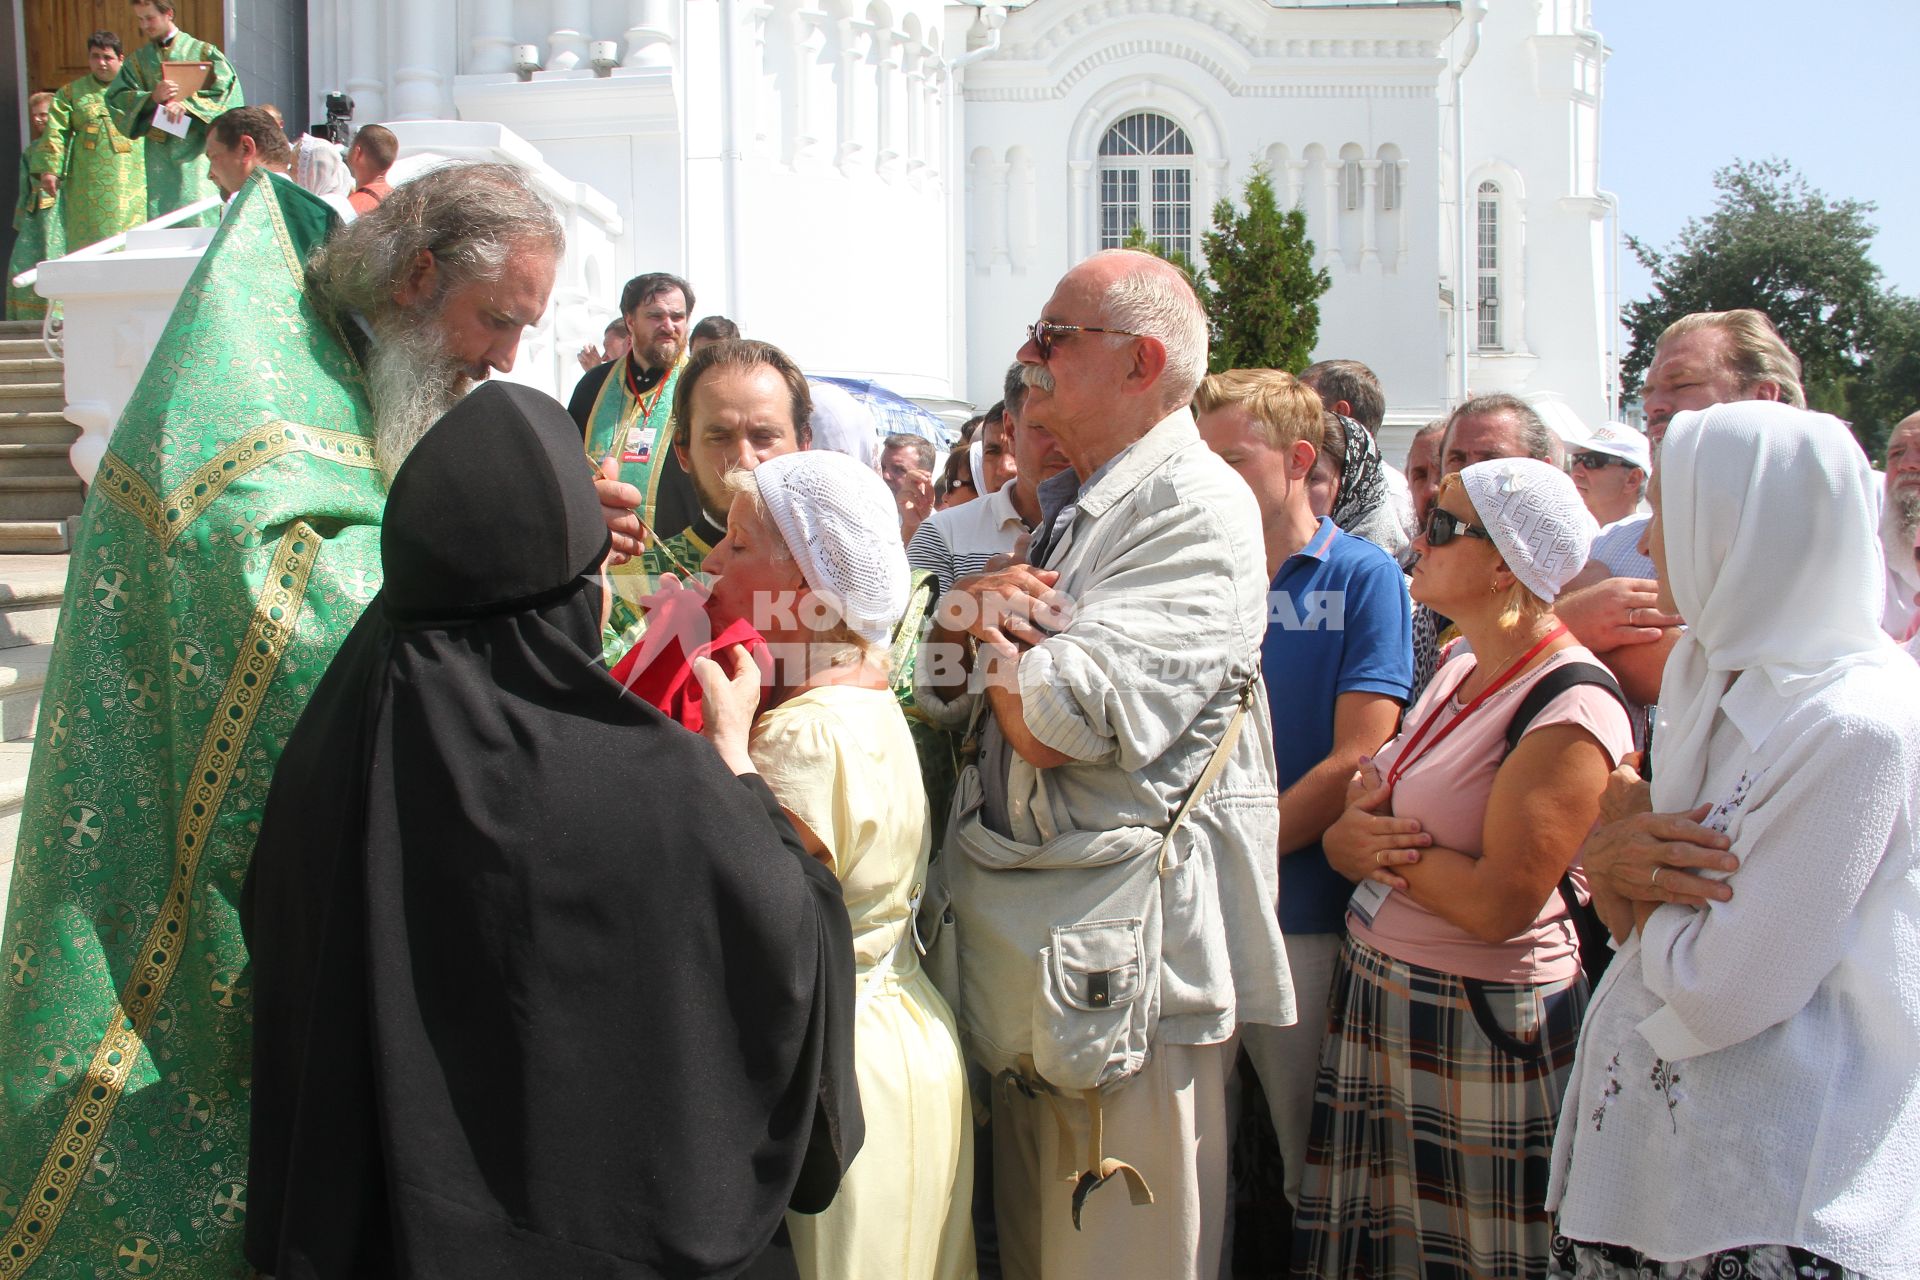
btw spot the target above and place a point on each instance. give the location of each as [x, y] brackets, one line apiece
[1777, 244]
[1887, 388]
[1259, 287]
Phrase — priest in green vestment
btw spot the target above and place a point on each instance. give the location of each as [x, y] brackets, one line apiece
[37, 233]
[624, 409]
[99, 172]
[142, 99]
[229, 542]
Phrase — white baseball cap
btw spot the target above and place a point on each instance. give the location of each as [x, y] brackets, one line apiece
[1617, 441]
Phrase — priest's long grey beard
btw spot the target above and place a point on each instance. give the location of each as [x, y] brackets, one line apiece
[412, 384]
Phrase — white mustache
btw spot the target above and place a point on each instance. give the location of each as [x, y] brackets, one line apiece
[1037, 377]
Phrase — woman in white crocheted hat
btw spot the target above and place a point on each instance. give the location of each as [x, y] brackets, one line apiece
[1456, 1007]
[812, 558]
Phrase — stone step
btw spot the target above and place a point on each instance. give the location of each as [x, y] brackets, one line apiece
[40, 497]
[11, 348]
[31, 590]
[38, 396]
[35, 366]
[34, 538]
[23, 673]
[36, 426]
[15, 328]
[33, 458]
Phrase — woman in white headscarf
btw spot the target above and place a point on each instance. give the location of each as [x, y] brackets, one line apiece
[1746, 1101]
[813, 559]
[1453, 1015]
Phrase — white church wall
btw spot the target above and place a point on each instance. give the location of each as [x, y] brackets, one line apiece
[1532, 122]
[1299, 91]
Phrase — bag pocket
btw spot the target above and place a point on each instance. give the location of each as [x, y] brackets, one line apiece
[1092, 1004]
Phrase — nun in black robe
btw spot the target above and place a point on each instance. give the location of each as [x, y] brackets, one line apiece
[540, 987]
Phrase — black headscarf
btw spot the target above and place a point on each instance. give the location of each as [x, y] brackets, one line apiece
[1364, 507]
[540, 987]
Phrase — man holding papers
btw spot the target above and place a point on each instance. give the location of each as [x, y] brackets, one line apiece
[168, 91]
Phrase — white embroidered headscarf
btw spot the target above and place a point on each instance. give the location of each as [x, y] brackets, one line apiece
[1536, 518]
[1773, 557]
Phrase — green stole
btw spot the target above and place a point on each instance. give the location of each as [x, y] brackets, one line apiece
[229, 542]
[37, 236]
[176, 174]
[638, 429]
[102, 172]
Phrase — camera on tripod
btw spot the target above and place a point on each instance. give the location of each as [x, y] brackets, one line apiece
[338, 128]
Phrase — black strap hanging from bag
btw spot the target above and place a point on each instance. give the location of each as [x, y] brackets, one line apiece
[1595, 943]
[1596, 947]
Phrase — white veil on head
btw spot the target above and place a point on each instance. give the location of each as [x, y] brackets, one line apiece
[1773, 557]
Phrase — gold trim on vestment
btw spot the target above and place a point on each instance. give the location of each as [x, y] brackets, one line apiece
[127, 489]
[200, 490]
[268, 634]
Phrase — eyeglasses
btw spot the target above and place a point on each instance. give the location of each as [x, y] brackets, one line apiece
[1443, 527]
[1044, 332]
[1595, 461]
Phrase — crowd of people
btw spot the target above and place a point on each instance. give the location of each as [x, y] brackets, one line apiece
[698, 831]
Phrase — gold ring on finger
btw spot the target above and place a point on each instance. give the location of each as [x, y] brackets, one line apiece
[1653, 877]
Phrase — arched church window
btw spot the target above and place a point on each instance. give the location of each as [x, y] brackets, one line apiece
[1146, 180]
[1488, 206]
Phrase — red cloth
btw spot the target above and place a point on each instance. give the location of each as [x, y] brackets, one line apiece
[660, 667]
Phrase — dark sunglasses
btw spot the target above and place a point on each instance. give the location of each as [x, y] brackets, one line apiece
[1595, 461]
[1044, 332]
[1443, 527]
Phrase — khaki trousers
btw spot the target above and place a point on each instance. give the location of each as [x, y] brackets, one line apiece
[1287, 1059]
[1170, 1123]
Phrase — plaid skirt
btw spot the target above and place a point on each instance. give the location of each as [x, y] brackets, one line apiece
[1433, 1120]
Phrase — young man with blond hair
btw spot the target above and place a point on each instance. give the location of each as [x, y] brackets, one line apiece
[1338, 657]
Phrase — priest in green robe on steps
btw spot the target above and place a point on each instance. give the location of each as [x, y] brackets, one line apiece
[99, 172]
[624, 409]
[143, 100]
[229, 542]
[37, 231]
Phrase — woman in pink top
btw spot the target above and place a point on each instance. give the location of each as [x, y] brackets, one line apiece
[1456, 1009]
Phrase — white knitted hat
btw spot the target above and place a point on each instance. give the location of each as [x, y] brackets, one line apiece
[1537, 520]
[839, 520]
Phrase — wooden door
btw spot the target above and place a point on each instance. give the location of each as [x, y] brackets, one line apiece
[57, 32]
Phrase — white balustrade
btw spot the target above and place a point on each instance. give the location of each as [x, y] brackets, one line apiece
[492, 51]
[567, 42]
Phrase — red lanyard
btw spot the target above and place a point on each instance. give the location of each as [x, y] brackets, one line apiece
[1414, 751]
[633, 387]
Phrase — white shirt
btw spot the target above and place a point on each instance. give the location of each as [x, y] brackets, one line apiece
[1749, 1073]
[953, 543]
[1618, 547]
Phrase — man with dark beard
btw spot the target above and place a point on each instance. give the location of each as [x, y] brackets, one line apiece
[624, 410]
[229, 542]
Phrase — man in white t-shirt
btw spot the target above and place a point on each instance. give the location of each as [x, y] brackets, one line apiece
[1350, 388]
[1610, 468]
[958, 542]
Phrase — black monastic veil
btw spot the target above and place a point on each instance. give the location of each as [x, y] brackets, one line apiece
[540, 987]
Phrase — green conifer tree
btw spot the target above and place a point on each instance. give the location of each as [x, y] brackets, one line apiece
[1263, 295]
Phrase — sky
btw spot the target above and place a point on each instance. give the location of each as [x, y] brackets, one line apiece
[1695, 84]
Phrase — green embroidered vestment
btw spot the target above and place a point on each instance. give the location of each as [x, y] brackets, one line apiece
[37, 236]
[176, 167]
[102, 172]
[229, 541]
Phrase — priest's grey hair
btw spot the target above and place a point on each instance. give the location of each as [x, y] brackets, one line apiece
[469, 216]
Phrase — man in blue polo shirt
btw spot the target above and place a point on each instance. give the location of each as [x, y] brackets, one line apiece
[1338, 657]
